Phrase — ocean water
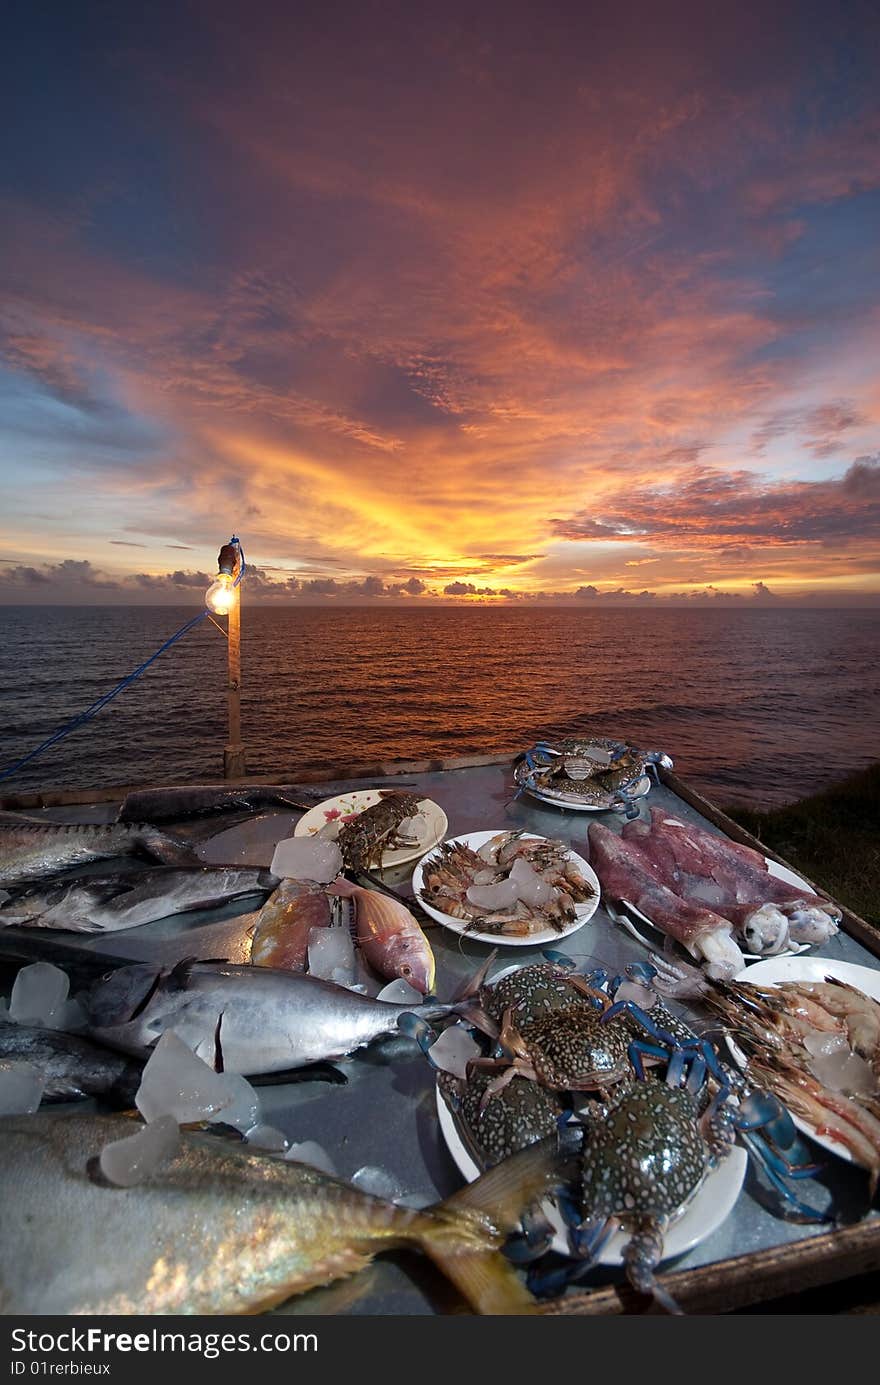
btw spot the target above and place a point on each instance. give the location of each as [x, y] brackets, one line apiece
[755, 706]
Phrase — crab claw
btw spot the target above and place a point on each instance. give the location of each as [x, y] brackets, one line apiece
[643, 972]
[559, 959]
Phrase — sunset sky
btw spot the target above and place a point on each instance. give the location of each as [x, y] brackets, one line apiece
[456, 302]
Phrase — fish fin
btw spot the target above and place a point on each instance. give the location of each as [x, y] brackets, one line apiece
[177, 979]
[486, 1279]
[503, 1193]
[473, 984]
[342, 887]
[463, 1235]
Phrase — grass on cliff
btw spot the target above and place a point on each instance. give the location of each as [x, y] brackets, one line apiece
[834, 837]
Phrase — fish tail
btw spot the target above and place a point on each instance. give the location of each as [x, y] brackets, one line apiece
[464, 1234]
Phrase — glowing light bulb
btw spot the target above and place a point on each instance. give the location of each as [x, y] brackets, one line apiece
[221, 594]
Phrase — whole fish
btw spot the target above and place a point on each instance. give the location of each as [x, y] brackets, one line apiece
[31, 848]
[184, 801]
[221, 1229]
[281, 935]
[244, 1019]
[72, 1066]
[389, 936]
[105, 903]
[625, 875]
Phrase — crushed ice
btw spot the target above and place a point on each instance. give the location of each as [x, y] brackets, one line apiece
[138, 1156]
[306, 858]
[21, 1088]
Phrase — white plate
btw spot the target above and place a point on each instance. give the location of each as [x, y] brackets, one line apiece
[475, 840]
[775, 969]
[773, 868]
[348, 805]
[712, 1205]
[639, 790]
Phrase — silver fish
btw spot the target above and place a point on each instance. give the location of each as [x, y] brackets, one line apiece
[105, 903]
[249, 1019]
[73, 1067]
[222, 1229]
[32, 848]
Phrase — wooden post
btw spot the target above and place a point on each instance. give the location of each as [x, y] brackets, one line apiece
[233, 755]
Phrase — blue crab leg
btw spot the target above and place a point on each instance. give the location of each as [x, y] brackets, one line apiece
[761, 1109]
[774, 1168]
[589, 1239]
[641, 1258]
[781, 1132]
[650, 1026]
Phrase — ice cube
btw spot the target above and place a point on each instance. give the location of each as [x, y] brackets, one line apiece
[858, 1078]
[638, 994]
[306, 858]
[70, 1017]
[501, 896]
[309, 1152]
[177, 1083]
[267, 1137]
[130, 1161]
[331, 955]
[822, 1044]
[242, 1107]
[21, 1088]
[39, 992]
[412, 830]
[400, 992]
[454, 1049]
[532, 888]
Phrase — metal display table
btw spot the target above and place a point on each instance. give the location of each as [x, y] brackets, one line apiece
[386, 1115]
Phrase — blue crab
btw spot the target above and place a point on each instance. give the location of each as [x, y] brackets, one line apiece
[553, 1027]
[523, 1113]
[649, 1148]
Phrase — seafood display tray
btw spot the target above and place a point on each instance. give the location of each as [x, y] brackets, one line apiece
[386, 1115]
